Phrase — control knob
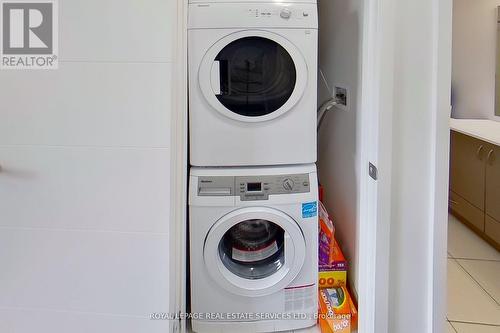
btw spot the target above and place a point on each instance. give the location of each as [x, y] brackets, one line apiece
[285, 13]
[288, 184]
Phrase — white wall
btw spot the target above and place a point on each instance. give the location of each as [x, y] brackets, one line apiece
[474, 58]
[341, 26]
[85, 181]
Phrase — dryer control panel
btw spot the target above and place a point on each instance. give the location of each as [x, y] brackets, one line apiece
[253, 15]
[250, 188]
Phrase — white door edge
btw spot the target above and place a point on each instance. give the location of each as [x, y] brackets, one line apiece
[380, 29]
[438, 219]
[376, 148]
[179, 172]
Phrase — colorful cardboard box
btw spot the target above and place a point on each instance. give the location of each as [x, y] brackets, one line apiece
[337, 312]
[326, 236]
[333, 274]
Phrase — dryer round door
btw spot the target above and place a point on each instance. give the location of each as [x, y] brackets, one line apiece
[253, 75]
[254, 251]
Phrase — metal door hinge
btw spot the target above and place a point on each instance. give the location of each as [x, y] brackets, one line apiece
[372, 171]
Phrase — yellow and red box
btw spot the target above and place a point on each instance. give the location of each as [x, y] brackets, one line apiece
[337, 312]
[335, 273]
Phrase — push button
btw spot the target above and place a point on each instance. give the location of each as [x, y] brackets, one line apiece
[218, 191]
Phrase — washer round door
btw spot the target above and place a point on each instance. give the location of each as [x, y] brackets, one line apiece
[254, 251]
[253, 75]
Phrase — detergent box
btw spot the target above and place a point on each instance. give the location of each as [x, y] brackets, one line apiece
[326, 236]
[333, 274]
[337, 312]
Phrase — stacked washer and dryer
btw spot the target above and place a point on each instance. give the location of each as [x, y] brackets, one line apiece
[253, 194]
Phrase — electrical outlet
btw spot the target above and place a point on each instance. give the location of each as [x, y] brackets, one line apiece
[341, 95]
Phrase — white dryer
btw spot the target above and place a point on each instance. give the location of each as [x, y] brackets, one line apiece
[253, 248]
[252, 80]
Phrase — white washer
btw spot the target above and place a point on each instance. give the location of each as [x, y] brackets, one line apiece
[253, 248]
[252, 80]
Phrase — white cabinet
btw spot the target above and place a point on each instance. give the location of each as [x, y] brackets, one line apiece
[78, 271]
[87, 104]
[118, 30]
[84, 238]
[78, 188]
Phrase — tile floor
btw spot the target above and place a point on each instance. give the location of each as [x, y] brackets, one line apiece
[473, 282]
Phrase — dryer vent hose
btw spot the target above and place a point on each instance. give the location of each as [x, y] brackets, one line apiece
[324, 108]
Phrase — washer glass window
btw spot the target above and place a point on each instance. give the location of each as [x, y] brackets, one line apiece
[257, 76]
[253, 249]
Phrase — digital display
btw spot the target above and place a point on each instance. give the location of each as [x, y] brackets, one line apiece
[254, 187]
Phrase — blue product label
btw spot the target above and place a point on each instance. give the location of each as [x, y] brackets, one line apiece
[309, 209]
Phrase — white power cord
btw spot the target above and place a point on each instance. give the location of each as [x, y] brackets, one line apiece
[324, 108]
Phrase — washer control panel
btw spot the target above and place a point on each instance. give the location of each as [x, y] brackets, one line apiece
[250, 188]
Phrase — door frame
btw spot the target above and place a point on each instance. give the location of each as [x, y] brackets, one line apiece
[380, 47]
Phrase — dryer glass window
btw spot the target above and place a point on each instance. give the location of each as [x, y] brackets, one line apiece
[257, 76]
[253, 249]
